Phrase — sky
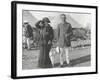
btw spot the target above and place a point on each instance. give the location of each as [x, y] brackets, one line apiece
[82, 19]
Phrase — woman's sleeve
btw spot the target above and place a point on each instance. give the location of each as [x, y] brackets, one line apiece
[51, 34]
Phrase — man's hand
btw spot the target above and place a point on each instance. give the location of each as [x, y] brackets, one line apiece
[66, 35]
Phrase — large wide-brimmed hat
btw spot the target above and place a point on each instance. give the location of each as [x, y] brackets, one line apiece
[37, 24]
[46, 19]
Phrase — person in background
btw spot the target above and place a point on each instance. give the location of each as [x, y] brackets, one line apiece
[28, 33]
[63, 40]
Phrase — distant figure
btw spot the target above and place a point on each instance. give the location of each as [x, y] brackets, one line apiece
[63, 40]
[46, 36]
[28, 33]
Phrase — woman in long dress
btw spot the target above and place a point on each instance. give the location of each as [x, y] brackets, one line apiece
[46, 36]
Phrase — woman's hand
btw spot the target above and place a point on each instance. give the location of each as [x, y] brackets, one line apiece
[66, 35]
[49, 42]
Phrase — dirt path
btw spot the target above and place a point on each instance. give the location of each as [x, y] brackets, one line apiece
[79, 57]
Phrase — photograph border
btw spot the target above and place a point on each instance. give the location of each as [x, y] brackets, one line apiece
[14, 38]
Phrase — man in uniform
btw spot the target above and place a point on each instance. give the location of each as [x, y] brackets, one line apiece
[63, 40]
